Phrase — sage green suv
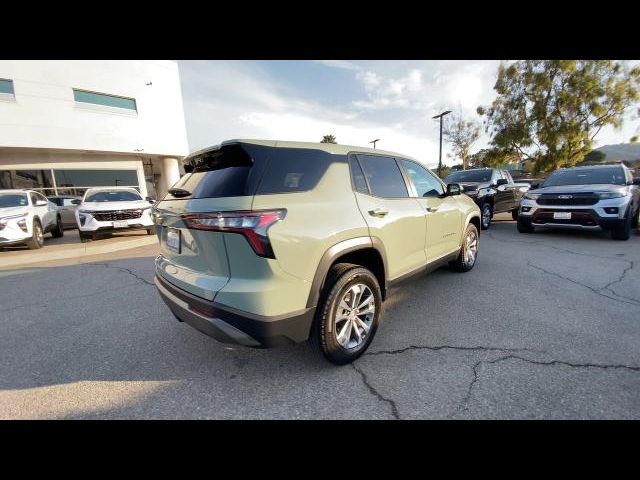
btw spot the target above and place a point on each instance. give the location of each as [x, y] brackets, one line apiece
[269, 242]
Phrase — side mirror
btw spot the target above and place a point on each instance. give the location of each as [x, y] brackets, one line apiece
[453, 189]
[41, 203]
[150, 199]
[76, 201]
[636, 181]
[534, 186]
[501, 181]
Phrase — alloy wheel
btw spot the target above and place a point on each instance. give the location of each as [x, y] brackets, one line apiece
[354, 316]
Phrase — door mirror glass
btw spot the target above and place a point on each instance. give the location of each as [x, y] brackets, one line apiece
[76, 201]
[41, 203]
[534, 185]
[453, 189]
[501, 181]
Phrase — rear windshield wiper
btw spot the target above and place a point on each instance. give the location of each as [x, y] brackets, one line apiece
[180, 192]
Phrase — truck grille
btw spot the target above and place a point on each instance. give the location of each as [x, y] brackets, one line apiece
[111, 215]
[575, 199]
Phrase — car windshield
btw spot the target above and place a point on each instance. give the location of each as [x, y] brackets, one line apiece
[13, 200]
[113, 196]
[586, 176]
[469, 176]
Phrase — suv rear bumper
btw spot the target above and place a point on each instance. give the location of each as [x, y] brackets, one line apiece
[229, 325]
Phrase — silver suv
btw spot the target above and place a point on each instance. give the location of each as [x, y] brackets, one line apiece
[267, 242]
[592, 198]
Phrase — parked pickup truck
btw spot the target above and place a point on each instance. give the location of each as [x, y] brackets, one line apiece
[492, 189]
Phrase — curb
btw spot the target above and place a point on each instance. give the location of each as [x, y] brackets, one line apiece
[79, 251]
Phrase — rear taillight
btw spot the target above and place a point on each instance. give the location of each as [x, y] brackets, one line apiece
[253, 225]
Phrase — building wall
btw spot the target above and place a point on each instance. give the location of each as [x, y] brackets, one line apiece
[44, 114]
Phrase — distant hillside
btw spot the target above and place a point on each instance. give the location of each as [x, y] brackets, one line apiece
[621, 151]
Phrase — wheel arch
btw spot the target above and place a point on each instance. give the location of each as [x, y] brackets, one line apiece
[365, 251]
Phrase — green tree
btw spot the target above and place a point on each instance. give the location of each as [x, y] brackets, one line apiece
[461, 134]
[549, 111]
[328, 139]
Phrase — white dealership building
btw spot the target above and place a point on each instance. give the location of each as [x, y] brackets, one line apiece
[69, 125]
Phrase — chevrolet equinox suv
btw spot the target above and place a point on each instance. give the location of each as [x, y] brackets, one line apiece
[269, 242]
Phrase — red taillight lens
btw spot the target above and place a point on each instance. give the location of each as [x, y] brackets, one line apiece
[253, 225]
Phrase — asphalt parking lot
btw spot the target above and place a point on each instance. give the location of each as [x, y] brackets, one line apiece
[545, 326]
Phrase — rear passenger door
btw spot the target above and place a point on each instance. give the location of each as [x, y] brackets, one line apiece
[444, 220]
[391, 215]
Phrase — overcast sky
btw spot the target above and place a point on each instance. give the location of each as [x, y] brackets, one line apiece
[357, 101]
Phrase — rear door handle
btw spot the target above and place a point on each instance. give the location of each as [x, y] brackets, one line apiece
[378, 212]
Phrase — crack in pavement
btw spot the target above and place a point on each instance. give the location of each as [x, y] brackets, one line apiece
[378, 395]
[121, 269]
[464, 403]
[451, 347]
[597, 291]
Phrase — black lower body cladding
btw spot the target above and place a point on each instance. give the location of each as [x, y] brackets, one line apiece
[229, 325]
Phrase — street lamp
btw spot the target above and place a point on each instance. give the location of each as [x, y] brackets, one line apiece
[440, 157]
[374, 142]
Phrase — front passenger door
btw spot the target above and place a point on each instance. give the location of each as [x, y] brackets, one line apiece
[444, 221]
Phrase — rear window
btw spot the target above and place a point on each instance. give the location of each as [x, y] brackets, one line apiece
[230, 171]
[383, 176]
[295, 170]
[586, 176]
[469, 176]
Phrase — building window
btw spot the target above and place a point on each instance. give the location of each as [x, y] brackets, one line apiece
[83, 96]
[6, 90]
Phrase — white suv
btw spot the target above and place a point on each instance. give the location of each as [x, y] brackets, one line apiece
[25, 216]
[107, 210]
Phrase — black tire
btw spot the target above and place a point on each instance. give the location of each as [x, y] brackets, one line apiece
[514, 213]
[339, 280]
[463, 263]
[525, 227]
[636, 219]
[85, 237]
[58, 231]
[623, 232]
[486, 212]
[37, 238]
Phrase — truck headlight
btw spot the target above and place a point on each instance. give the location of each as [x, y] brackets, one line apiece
[604, 195]
[531, 196]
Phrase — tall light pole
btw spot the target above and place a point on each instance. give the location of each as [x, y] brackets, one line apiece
[440, 157]
[374, 142]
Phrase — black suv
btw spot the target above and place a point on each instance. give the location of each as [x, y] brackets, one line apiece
[492, 189]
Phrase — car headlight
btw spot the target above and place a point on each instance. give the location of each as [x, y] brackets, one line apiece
[603, 195]
[531, 196]
[5, 220]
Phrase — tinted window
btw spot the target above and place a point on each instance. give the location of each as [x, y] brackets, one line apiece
[104, 99]
[229, 171]
[425, 183]
[586, 176]
[359, 183]
[383, 176]
[96, 178]
[113, 196]
[6, 86]
[13, 200]
[295, 170]
[462, 176]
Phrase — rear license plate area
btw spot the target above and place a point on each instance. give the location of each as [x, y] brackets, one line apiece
[173, 240]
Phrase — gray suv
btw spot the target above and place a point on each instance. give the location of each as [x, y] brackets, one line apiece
[592, 198]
